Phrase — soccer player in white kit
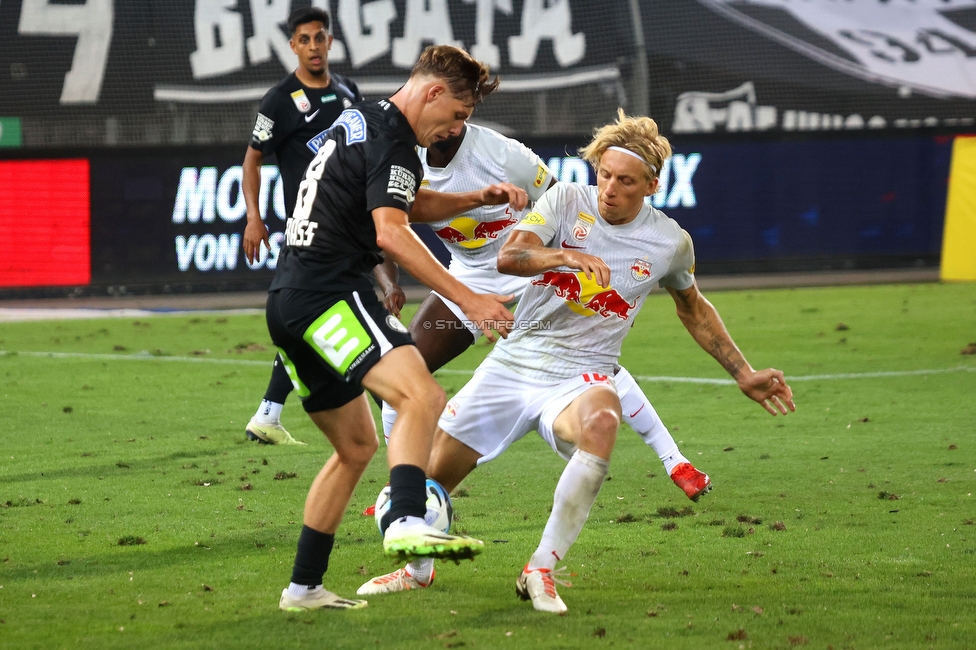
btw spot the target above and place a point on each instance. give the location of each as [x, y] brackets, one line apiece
[440, 329]
[594, 254]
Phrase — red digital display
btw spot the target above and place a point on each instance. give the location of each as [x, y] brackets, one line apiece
[45, 221]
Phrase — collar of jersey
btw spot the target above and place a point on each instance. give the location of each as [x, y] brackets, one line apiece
[461, 149]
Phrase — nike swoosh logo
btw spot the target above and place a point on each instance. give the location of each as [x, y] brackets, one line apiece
[309, 118]
[637, 411]
[565, 245]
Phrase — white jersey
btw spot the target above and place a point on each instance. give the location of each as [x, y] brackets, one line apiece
[567, 324]
[485, 157]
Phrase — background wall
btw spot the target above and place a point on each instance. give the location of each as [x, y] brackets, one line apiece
[806, 137]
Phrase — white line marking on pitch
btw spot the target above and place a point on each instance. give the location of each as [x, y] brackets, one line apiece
[139, 356]
[146, 356]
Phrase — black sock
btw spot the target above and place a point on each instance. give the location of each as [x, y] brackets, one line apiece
[280, 384]
[312, 559]
[408, 494]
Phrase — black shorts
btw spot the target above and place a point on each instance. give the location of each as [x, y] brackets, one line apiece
[329, 341]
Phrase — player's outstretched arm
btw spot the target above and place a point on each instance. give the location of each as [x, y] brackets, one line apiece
[255, 231]
[767, 387]
[431, 206]
[395, 237]
[524, 254]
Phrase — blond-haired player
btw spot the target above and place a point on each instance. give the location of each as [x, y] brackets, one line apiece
[594, 254]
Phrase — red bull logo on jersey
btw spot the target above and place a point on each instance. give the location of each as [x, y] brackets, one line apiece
[640, 270]
[585, 296]
[470, 233]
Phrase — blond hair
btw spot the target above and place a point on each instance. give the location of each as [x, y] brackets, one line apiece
[465, 76]
[637, 134]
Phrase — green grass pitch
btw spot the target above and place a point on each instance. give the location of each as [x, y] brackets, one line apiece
[133, 513]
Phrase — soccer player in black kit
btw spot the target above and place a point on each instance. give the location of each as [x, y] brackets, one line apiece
[335, 338]
[292, 121]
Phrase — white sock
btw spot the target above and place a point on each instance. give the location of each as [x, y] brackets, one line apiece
[575, 494]
[421, 570]
[269, 412]
[389, 417]
[643, 419]
[297, 591]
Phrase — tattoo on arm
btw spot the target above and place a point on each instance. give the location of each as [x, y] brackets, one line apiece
[522, 257]
[715, 340]
[719, 349]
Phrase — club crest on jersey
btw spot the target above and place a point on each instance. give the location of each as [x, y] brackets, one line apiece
[394, 324]
[640, 270]
[346, 102]
[583, 224]
[301, 101]
[450, 411]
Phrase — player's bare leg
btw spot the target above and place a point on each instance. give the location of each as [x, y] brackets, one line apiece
[450, 462]
[351, 432]
[642, 418]
[590, 422]
[439, 336]
[401, 379]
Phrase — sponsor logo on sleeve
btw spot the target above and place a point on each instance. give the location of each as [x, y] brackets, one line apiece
[301, 101]
[541, 175]
[533, 219]
[582, 227]
[402, 183]
[346, 102]
[263, 128]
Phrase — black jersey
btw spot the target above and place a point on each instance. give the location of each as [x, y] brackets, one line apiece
[292, 118]
[367, 160]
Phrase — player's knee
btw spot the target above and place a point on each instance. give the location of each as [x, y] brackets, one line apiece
[426, 396]
[599, 432]
[358, 453]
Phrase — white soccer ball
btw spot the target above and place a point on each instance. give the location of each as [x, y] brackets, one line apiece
[440, 510]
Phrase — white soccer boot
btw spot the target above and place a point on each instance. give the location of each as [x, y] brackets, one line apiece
[269, 434]
[539, 586]
[317, 598]
[391, 583]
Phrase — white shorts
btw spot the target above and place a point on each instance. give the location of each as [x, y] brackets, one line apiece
[499, 406]
[482, 281]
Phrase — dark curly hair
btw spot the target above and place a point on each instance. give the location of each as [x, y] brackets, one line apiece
[305, 15]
